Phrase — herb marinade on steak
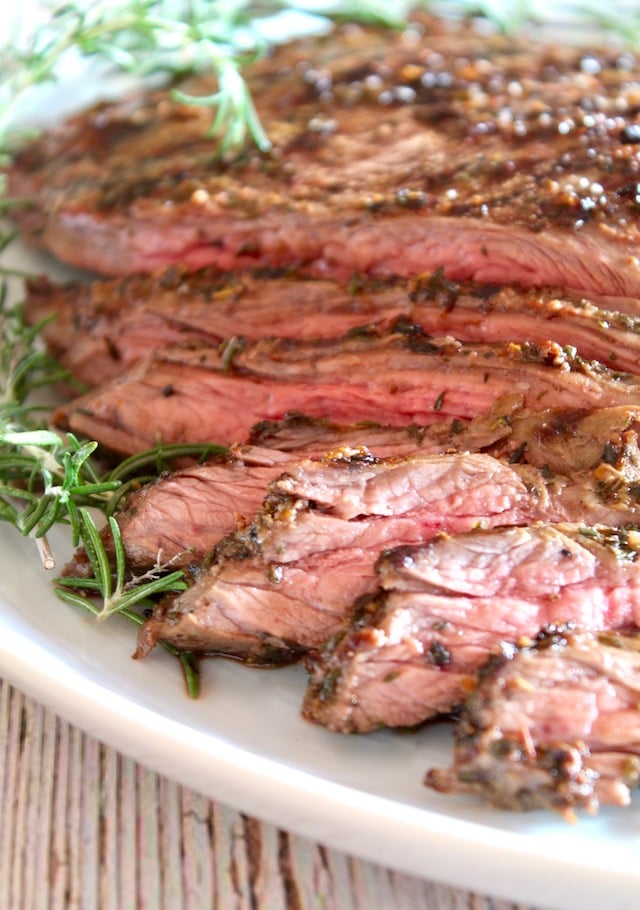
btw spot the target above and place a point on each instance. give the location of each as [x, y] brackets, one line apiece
[416, 645]
[183, 515]
[105, 327]
[553, 723]
[397, 376]
[394, 152]
[413, 324]
[287, 582]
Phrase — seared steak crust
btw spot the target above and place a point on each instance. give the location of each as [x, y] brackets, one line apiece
[399, 376]
[552, 724]
[414, 648]
[286, 583]
[392, 152]
[180, 518]
[183, 515]
[102, 328]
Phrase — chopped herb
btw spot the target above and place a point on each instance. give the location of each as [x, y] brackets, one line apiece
[517, 453]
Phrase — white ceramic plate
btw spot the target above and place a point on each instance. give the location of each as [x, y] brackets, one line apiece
[244, 743]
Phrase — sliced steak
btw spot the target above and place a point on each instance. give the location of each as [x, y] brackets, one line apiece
[104, 327]
[489, 313]
[287, 582]
[415, 647]
[393, 152]
[560, 440]
[399, 376]
[181, 517]
[554, 724]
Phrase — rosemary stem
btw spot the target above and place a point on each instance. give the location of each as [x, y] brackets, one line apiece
[47, 558]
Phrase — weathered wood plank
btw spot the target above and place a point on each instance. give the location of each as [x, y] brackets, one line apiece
[86, 828]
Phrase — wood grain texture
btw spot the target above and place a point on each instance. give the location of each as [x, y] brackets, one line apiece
[85, 828]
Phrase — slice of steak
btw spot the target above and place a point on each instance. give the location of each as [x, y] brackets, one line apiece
[554, 724]
[104, 327]
[415, 647]
[287, 582]
[393, 152]
[399, 376]
[181, 517]
[560, 440]
[487, 313]
[566, 441]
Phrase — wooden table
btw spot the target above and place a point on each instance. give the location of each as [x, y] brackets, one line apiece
[85, 828]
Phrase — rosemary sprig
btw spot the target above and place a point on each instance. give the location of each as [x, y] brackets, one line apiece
[129, 597]
[49, 479]
[44, 477]
[145, 37]
[109, 582]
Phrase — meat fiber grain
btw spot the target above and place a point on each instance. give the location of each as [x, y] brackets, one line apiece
[288, 581]
[180, 517]
[102, 328]
[552, 724]
[415, 648]
[393, 152]
[395, 376]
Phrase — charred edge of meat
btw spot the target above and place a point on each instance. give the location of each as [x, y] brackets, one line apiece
[272, 652]
[569, 783]
[265, 429]
[324, 667]
[246, 543]
[434, 287]
[509, 769]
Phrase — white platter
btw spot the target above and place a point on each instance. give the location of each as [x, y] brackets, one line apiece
[243, 743]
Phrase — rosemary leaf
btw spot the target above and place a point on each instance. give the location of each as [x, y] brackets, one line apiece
[65, 591]
[174, 582]
[97, 555]
[120, 556]
[190, 669]
[159, 459]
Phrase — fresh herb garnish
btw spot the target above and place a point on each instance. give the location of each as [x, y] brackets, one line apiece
[48, 478]
[145, 38]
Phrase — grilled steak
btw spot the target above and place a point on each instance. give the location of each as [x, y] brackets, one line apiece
[179, 518]
[201, 393]
[287, 581]
[182, 516]
[393, 152]
[416, 646]
[554, 724]
[561, 440]
[104, 327]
